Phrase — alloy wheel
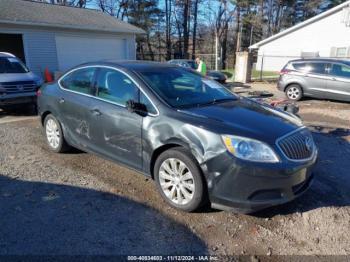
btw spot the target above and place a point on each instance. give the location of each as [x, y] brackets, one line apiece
[293, 93]
[53, 133]
[176, 181]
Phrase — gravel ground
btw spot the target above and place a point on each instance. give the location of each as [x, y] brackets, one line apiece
[77, 203]
[313, 111]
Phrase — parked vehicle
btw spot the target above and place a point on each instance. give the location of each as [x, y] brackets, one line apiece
[188, 63]
[319, 78]
[17, 84]
[217, 76]
[195, 138]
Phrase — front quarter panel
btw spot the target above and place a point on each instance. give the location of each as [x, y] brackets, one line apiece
[163, 130]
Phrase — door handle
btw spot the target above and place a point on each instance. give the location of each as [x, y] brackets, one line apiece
[96, 112]
[61, 101]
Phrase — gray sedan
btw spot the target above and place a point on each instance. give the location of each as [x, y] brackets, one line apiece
[197, 140]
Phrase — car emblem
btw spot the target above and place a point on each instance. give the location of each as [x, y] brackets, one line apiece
[20, 87]
[308, 144]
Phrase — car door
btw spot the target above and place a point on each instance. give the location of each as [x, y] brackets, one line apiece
[315, 77]
[74, 105]
[338, 85]
[116, 131]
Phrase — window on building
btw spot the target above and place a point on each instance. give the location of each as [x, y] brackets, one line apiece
[341, 52]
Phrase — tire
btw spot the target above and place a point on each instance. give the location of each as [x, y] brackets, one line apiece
[185, 194]
[54, 135]
[294, 92]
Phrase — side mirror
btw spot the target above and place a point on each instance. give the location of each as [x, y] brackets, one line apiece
[133, 107]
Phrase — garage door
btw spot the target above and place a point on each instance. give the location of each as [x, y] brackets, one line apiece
[72, 50]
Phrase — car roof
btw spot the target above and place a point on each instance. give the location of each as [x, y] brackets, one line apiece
[130, 64]
[326, 60]
[5, 54]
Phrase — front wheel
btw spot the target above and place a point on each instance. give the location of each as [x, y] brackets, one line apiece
[294, 92]
[179, 180]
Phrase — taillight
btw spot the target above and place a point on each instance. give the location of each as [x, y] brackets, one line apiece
[38, 92]
[285, 71]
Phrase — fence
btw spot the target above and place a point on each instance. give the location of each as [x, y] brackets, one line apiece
[209, 59]
[264, 67]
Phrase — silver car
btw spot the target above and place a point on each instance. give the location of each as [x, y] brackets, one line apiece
[319, 78]
[17, 84]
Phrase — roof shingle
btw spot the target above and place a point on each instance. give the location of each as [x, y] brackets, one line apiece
[42, 14]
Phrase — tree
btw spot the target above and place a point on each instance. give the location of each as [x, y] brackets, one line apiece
[168, 10]
[117, 8]
[195, 23]
[144, 14]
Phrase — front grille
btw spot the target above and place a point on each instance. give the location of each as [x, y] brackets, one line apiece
[18, 87]
[298, 145]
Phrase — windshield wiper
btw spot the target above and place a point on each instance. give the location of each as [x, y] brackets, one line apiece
[212, 102]
[221, 100]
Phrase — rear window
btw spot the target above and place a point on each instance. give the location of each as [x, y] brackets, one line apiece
[316, 68]
[12, 65]
[79, 80]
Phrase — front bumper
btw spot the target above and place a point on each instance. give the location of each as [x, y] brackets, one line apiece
[247, 187]
[19, 98]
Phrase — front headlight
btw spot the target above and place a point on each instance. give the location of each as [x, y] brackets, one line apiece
[249, 149]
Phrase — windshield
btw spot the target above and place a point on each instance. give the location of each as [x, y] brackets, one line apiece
[181, 87]
[12, 65]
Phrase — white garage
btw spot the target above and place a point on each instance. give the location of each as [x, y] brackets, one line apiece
[62, 37]
[73, 50]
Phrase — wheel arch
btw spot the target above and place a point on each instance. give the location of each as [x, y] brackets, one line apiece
[294, 83]
[172, 143]
[43, 116]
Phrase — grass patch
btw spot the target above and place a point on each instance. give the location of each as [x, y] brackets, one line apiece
[255, 73]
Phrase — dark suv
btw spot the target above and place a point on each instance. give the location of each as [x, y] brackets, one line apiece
[319, 78]
[195, 138]
[18, 85]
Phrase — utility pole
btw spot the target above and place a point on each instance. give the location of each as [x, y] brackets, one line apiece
[216, 51]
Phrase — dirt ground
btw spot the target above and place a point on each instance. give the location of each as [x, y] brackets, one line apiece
[77, 203]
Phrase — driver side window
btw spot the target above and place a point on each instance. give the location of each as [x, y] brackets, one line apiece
[116, 87]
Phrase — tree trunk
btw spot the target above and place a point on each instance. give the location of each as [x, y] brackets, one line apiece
[150, 50]
[224, 47]
[186, 27]
[194, 34]
[168, 29]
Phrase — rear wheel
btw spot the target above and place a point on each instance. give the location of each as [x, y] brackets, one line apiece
[54, 135]
[294, 92]
[179, 179]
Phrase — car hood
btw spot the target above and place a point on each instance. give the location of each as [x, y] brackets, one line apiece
[19, 77]
[247, 118]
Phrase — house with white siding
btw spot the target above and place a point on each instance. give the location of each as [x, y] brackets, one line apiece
[325, 35]
[60, 37]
